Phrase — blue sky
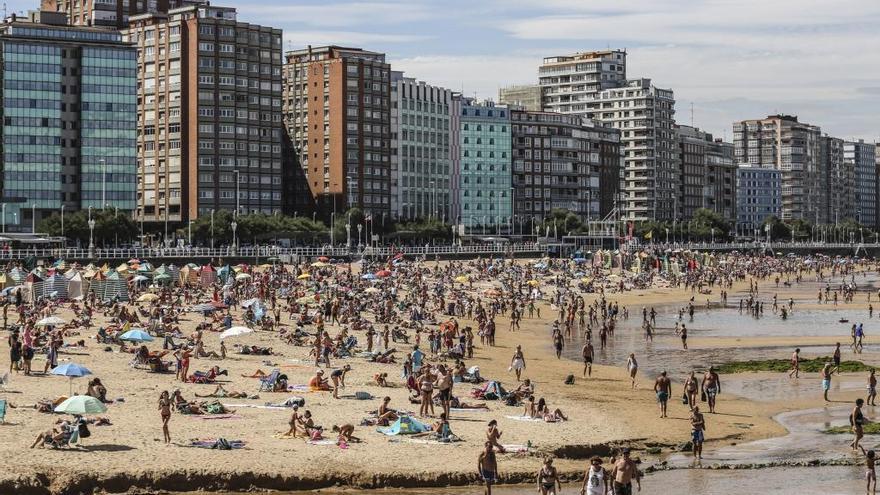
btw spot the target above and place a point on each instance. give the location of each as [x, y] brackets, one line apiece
[731, 59]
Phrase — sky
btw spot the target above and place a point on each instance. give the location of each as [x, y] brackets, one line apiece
[726, 60]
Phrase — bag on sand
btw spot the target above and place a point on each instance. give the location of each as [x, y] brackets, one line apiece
[703, 396]
[684, 398]
[569, 380]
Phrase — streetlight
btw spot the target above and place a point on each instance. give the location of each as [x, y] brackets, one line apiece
[332, 219]
[360, 228]
[62, 220]
[237, 192]
[103, 182]
[212, 229]
[234, 226]
[190, 233]
[713, 235]
[348, 231]
[33, 218]
[667, 236]
[91, 224]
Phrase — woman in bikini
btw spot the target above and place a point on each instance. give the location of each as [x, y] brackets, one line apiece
[548, 478]
[493, 436]
[165, 411]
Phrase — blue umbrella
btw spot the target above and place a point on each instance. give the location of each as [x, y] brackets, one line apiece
[71, 371]
[368, 276]
[136, 335]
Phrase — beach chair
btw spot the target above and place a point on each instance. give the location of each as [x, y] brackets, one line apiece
[2, 412]
[267, 383]
[4, 380]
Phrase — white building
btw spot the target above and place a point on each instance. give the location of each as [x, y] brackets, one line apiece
[645, 117]
[569, 82]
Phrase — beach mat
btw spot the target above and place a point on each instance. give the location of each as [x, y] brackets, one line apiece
[525, 418]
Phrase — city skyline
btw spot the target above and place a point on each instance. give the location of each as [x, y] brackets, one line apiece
[708, 52]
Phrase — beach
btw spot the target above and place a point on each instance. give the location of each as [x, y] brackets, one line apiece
[604, 413]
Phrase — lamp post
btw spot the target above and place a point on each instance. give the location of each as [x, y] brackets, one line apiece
[212, 229]
[348, 231]
[33, 218]
[91, 223]
[190, 233]
[360, 228]
[237, 192]
[62, 220]
[234, 226]
[103, 182]
[667, 236]
[332, 219]
[713, 235]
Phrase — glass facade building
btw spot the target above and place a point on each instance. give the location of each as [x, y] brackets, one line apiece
[485, 181]
[69, 113]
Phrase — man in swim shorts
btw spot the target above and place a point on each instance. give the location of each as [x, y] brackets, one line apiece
[663, 389]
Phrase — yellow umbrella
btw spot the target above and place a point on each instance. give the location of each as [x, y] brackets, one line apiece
[304, 276]
[148, 298]
[533, 282]
[320, 264]
[463, 279]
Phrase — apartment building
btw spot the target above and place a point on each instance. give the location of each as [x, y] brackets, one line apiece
[526, 97]
[485, 177]
[337, 107]
[838, 195]
[707, 174]
[792, 147]
[209, 114]
[421, 167]
[861, 158]
[113, 14]
[68, 128]
[558, 162]
[758, 196]
[645, 117]
[569, 83]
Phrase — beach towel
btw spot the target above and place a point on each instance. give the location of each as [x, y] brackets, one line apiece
[405, 425]
[525, 418]
[321, 442]
[215, 416]
[219, 444]
[255, 406]
[515, 448]
[2, 412]
[468, 410]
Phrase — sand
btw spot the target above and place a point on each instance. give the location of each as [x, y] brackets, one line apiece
[130, 454]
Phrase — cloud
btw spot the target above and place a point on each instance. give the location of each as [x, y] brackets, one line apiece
[299, 39]
[339, 15]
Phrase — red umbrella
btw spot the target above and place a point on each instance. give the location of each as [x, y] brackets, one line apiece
[323, 259]
[383, 273]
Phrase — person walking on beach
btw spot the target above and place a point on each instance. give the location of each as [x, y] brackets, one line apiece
[165, 412]
[698, 428]
[518, 362]
[711, 387]
[597, 480]
[857, 422]
[872, 388]
[487, 466]
[548, 478]
[690, 390]
[870, 473]
[663, 389]
[795, 364]
[633, 367]
[623, 474]
[826, 380]
[587, 352]
[836, 358]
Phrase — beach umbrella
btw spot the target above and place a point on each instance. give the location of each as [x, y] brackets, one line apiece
[533, 283]
[140, 278]
[383, 273]
[242, 276]
[163, 276]
[52, 320]
[148, 298]
[462, 279]
[235, 332]
[6, 291]
[71, 371]
[323, 258]
[319, 264]
[368, 276]
[136, 335]
[304, 276]
[80, 405]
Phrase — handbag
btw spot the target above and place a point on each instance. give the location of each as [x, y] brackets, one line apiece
[684, 398]
[703, 396]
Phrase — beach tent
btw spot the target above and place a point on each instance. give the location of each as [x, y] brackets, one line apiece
[174, 272]
[33, 286]
[208, 275]
[17, 276]
[115, 287]
[223, 273]
[76, 286]
[405, 425]
[55, 287]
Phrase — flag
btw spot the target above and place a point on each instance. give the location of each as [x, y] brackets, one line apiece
[649, 235]
[369, 217]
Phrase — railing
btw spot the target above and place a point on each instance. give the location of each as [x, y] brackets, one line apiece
[265, 252]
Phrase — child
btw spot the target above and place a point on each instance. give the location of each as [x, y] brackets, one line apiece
[870, 474]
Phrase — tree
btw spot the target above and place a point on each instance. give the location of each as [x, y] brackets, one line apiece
[778, 230]
[110, 227]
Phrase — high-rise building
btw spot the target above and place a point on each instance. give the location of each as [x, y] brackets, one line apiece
[421, 167]
[645, 117]
[708, 174]
[527, 97]
[792, 147]
[838, 195]
[110, 13]
[558, 161]
[758, 196]
[68, 128]
[569, 83]
[209, 114]
[337, 107]
[485, 178]
[862, 157]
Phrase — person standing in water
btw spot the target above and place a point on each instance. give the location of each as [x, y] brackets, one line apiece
[663, 389]
[795, 364]
[826, 380]
[597, 480]
[872, 388]
[487, 466]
